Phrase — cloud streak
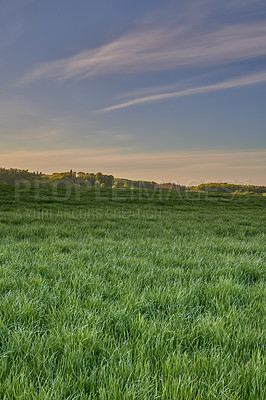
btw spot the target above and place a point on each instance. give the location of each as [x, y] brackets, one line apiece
[158, 49]
[229, 84]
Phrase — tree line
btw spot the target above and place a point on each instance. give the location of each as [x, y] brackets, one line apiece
[229, 188]
[13, 175]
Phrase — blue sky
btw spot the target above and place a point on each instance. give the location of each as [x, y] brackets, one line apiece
[166, 91]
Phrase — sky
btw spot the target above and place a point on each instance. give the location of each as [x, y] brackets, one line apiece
[156, 90]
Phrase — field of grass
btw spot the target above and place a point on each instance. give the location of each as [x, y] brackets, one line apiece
[131, 295]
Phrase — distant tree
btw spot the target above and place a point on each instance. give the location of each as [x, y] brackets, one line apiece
[81, 175]
[116, 185]
[108, 180]
[99, 176]
[90, 178]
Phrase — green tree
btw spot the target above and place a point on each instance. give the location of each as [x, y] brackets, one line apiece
[99, 176]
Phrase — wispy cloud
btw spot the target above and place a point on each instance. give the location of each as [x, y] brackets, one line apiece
[155, 89]
[231, 83]
[182, 167]
[159, 49]
[113, 134]
[44, 134]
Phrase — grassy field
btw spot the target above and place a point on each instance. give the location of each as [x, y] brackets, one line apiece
[131, 295]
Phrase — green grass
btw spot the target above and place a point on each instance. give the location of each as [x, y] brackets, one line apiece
[131, 295]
